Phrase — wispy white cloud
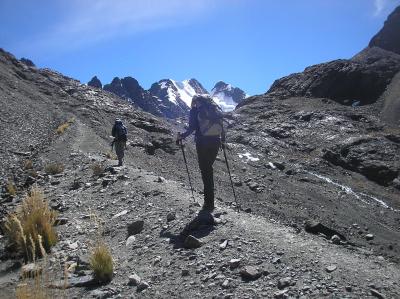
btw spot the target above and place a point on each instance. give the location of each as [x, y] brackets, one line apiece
[382, 7]
[85, 22]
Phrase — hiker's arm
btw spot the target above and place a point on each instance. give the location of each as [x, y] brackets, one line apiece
[113, 131]
[192, 124]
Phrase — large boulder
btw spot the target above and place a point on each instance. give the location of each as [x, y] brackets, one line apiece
[377, 158]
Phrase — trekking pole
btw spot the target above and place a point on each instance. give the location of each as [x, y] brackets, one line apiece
[230, 177]
[187, 169]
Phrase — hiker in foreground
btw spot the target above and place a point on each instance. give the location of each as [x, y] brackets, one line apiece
[119, 132]
[205, 119]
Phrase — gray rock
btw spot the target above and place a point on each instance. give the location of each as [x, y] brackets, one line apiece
[335, 239]
[250, 273]
[171, 216]
[192, 242]
[234, 263]
[131, 240]
[330, 268]
[142, 286]
[135, 227]
[369, 237]
[134, 280]
[284, 282]
[185, 272]
[225, 284]
[376, 294]
[223, 245]
[280, 294]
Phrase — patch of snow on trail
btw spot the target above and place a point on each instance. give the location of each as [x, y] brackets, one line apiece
[248, 156]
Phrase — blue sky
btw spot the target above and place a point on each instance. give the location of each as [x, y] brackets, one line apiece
[248, 43]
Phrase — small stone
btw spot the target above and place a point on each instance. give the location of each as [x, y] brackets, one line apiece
[61, 221]
[349, 288]
[130, 241]
[377, 294]
[134, 280]
[223, 245]
[185, 272]
[142, 286]
[124, 212]
[250, 273]
[225, 284]
[73, 246]
[192, 242]
[171, 216]
[330, 268]
[280, 294]
[369, 237]
[234, 263]
[335, 239]
[135, 227]
[160, 179]
[284, 282]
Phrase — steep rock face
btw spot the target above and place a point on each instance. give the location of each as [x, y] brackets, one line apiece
[388, 37]
[376, 158]
[198, 88]
[227, 96]
[95, 82]
[361, 79]
[129, 89]
[173, 99]
[391, 106]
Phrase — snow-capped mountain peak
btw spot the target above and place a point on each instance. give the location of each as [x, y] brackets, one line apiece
[227, 96]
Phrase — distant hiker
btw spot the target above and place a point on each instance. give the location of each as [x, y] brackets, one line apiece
[205, 119]
[119, 132]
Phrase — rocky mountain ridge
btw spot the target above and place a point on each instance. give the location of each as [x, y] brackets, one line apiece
[170, 98]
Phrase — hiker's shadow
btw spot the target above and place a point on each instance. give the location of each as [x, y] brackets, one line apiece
[200, 226]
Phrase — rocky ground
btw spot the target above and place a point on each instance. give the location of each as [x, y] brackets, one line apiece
[312, 223]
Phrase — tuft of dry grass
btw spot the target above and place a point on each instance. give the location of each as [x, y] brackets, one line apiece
[101, 262]
[28, 164]
[30, 229]
[33, 173]
[54, 168]
[10, 188]
[98, 169]
[110, 155]
[61, 128]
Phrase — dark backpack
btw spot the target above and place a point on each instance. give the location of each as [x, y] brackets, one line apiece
[120, 131]
[210, 120]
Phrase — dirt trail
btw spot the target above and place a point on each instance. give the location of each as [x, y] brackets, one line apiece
[157, 254]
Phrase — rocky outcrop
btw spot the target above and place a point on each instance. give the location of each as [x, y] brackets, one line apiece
[388, 37]
[95, 82]
[360, 80]
[377, 158]
[27, 62]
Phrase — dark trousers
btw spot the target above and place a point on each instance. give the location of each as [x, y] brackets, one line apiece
[206, 155]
